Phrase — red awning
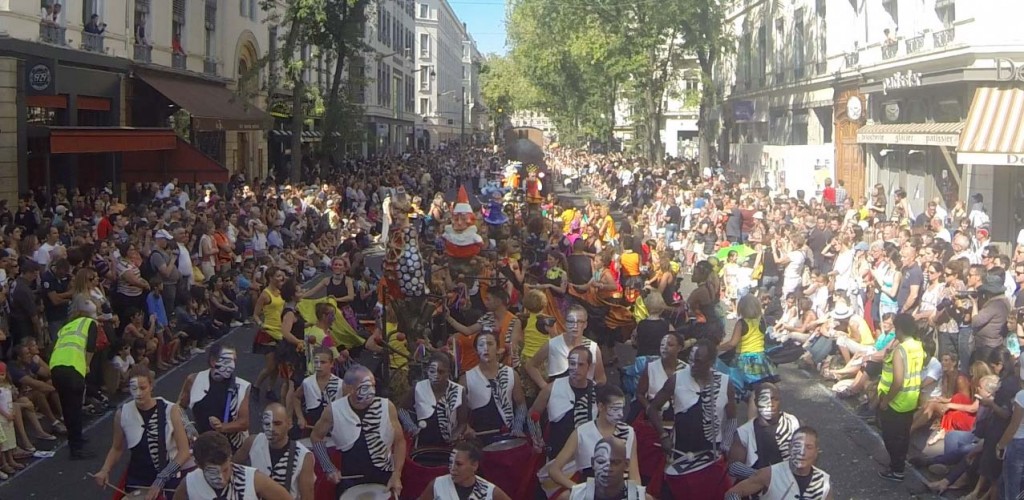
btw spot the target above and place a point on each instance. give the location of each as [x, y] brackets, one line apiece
[184, 162]
[109, 139]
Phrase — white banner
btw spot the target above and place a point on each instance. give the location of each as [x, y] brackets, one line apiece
[952, 140]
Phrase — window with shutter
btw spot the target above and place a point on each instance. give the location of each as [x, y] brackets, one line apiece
[178, 11]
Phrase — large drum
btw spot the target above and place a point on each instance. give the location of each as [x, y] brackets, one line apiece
[503, 465]
[367, 491]
[580, 269]
[323, 488]
[422, 466]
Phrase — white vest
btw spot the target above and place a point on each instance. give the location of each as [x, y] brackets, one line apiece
[479, 389]
[444, 489]
[688, 392]
[348, 427]
[558, 356]
[134, 431]
[587, 436]
[745, 433]
[783, 485]
[201, 386]
[314, 397]
[656, 378]
[426, 402]
[243, 483]
[259, 457]
[586, 491]
[563, 400]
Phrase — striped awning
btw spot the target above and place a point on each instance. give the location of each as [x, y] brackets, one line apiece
[994, 134]
[311, 135]
[911, 134]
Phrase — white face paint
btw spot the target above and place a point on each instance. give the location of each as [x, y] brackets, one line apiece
[574, 324]
[764, 404]
[432, 372]
[268, 425]
[664, 346]
[482, 349]
[318, 363]
[616, 411]
[133, 388]
[574, 364]
[365, 391]
[225, 366]
[798, 452]
[693, 354]
[602, 464]
[213, 477]
[451, 462]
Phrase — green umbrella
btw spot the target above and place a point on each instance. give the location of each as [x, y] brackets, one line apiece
[742, 251]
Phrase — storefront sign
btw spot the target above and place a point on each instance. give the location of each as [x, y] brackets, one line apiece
[1009, 159]
[743, 111]
[1008, 71]
[40, 77]
[951, 140]
[906, 80]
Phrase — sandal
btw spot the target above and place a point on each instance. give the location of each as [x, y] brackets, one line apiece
[845, 393]
[45, 437]
[18, 466]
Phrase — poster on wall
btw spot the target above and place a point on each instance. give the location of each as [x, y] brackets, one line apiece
[822, 171]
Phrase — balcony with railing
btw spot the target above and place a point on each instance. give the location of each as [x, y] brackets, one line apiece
[143, 53]
[915, 44]
[890, 49]
[943, 38]
[93, 42]
[852, 59]
[210, 66]
[53, 34]
[179, 61]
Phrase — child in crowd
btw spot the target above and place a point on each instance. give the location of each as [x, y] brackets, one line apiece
[8, 442]
[171, 339]
[121, 362]
[223, 310]
[136, 331]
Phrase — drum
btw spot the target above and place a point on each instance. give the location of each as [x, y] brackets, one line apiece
[367, 491]
[503, 465]
[323, 488]
[580, 269]
[422, 466]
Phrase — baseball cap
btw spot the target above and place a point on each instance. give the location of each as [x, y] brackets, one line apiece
[163, 234]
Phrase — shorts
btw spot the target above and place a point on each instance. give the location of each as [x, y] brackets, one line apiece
[263, 343]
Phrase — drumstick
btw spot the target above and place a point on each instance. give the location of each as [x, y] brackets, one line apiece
[119, 490]
[484, 433]
[357, 476]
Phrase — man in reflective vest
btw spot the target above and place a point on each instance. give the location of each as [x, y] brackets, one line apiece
[898, 392]
[69, 363]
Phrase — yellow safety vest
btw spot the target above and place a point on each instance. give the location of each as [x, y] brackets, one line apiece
[913, 354]
[71, 345]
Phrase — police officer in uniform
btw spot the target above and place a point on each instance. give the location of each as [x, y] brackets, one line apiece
[69, 363]
[284, 460]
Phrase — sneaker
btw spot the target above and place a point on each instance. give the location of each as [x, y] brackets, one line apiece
[236, 324]
[197, 350]
[891, 475]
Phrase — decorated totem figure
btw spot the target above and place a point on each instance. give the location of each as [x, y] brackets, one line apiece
[461, 240]
[495, 216]
[533, 189]
[403, 264]
[512, 176]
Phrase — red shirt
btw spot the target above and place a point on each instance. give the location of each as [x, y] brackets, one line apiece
[103, 228]
[829, 195]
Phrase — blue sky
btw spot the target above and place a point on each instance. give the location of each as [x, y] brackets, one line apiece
[486, 22]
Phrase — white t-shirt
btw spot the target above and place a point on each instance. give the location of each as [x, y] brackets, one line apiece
[123, 365]
[42, 255]
[933, 370]
[7, 400]
[1019, 401]
[793, 273]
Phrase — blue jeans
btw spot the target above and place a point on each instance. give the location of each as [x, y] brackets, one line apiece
[1013, 469]
[955, 447]
[965, 348]
[670, 233]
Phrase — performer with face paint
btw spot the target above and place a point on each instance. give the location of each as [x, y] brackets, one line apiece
[793, 479]
[317, 391]
[153, 432]
[556, 351]
[288, 462]
[611, 410]
[218, 478]
[498, 320]
[365, 428]
[570, 402]
[496, 402]
[764, 440]
[218, 399]
[610, 463]
[705, 409]
[439, 415]
[651, 461]
[461, 482]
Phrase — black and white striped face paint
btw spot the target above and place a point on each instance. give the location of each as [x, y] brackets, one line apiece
[134, 389]
[663, 349]
[224, 368]
[616, 411]
[765, 404]
[602, 463]
[801, 451]
[432, 372]
[574, 364]
[268, 425]
[451, 462]
[214, 476]
[365, 391]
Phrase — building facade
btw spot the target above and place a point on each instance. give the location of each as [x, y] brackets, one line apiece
[389, 74]
[448, 88]
[925, 97]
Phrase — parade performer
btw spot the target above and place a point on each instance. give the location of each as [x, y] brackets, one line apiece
[702, 399]
[363, 427]
[218, 478]
[764, 440]
[512, 175]
[610, 463]
[533, 188]
[462, 482]
[287, 462]
[499, 321]
[317, 391]
[795, 479]
[403, 264]
[569, 402]
[495, 217]
[461, 240]
[496, 401]
[555, 353]
[439, 414]
[153, 431]
[611, 410]
[218, 399]
[651, 460]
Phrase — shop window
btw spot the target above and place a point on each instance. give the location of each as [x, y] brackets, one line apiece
[46, 116]
[798, 131]
[949, 111]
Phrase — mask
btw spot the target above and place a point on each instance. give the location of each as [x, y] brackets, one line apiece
[764, 405]
[798, 452]
[213, 477]
[432, 373]
[225, 366]
[268, 425]
[663, 350]
[615, 412]
[133, 388]
[602, 464]
[365, 392]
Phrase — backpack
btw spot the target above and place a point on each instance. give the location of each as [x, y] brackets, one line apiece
[147, 270]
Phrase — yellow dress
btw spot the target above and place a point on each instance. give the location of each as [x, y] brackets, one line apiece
[533, 338]
[272, 314]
